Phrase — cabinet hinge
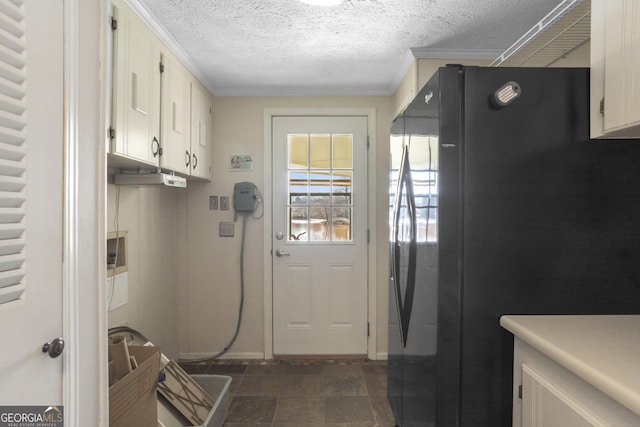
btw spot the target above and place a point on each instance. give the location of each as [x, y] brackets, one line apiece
[112, 133]
[520, 392]
[161, 67]
[602, 106]
[114, 24]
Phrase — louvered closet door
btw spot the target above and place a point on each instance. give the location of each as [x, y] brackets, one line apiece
[31, 182]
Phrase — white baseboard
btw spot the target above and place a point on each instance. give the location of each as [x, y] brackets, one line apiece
[247, 356]
[382, 356]
[231, 356]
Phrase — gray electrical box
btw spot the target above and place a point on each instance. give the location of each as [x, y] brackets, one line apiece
[244, 197]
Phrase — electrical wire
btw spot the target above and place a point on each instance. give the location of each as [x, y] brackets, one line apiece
[258, 202]
[240, 310]
[116, 226]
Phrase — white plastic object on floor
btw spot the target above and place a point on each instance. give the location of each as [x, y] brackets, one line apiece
[217, 386]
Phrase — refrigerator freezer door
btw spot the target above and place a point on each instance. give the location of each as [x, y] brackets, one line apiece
[403, 260]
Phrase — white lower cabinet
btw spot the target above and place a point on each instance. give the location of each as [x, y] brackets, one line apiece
[547, 395]
[546, 404]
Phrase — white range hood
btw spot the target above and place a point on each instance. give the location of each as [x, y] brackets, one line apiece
[150, 178]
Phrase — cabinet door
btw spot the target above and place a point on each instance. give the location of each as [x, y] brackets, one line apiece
[176, 108]
[201, 131]
[598, 20]
[546, 405]
[136, 81]
[622, 66]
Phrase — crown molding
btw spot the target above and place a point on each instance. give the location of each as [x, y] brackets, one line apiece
[303, 91]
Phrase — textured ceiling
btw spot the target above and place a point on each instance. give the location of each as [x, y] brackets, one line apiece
[285, 47]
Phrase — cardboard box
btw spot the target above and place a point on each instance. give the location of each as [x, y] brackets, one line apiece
[132, 399]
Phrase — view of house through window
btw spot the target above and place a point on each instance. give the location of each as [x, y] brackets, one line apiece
[320, 187]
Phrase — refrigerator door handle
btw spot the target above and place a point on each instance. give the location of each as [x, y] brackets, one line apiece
[405, 190]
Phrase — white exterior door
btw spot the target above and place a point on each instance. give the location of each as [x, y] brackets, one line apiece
[319, 242]
[28, 376]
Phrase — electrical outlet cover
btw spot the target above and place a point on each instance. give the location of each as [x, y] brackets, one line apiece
[226, 229]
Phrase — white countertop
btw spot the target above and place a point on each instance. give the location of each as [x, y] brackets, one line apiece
[602, 350]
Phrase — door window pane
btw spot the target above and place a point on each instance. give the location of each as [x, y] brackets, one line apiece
[298, 188]
[320, 187]
[298, 152]
[342, 152]
[341, 224]
[320, 151]
[298, 224]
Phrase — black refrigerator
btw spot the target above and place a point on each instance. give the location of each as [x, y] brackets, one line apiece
[499, 204]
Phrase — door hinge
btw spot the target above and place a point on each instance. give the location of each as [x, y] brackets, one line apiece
[368, 235]
[368, 142]
[520, 392]
[161, 67]
[368, 329]
[602, 107]
[112, 133]
[114, 24]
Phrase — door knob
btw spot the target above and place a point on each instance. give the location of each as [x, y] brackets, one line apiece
[54, 348]
[280, 252]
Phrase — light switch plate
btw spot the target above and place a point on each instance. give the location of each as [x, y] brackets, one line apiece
[213, 203]
[224, 203]
[226, 229]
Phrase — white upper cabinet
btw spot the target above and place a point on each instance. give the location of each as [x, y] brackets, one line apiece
[162, 115]
[615, 68]
[186, 121]
[201, 131]
[176, 111]
[136, 89]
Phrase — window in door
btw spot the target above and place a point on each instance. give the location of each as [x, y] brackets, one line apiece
[320, 187]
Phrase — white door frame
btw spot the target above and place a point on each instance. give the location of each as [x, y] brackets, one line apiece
[85, 382]
[370, 113]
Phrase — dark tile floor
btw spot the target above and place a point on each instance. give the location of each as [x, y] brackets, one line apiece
[304, 393]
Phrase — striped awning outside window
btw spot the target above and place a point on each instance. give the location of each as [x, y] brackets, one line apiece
[13, 121]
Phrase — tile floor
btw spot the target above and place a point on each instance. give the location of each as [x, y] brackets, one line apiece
[304, 393]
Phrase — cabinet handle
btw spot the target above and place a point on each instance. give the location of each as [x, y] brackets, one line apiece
[195, 161]
[187, 158]
[155, 146]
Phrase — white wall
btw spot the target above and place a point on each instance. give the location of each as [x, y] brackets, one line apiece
[209, 302]
[149, 215]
